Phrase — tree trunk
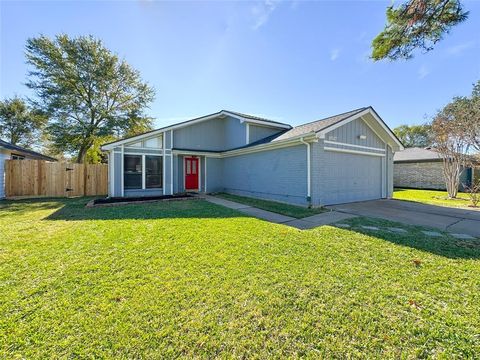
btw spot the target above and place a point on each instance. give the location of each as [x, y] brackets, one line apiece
[82, 152]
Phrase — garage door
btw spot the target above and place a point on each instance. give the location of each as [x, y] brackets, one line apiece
[352, 177]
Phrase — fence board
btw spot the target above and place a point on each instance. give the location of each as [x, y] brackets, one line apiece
[30, 178]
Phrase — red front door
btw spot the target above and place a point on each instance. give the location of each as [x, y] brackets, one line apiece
[191, 173]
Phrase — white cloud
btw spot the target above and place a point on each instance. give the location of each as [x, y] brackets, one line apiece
[261, 13]
[423, 71]
[460, 48]
[334, 54]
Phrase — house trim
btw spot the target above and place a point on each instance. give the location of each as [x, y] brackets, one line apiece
[348, 151]
[353, 145]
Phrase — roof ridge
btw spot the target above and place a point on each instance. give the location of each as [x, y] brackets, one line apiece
[354, 111]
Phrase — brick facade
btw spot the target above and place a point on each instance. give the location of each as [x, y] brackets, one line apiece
[421, 175]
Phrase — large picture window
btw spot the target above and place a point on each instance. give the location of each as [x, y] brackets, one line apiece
[132, 171]
[153, 171]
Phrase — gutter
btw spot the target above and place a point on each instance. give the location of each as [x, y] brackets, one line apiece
[309, 197]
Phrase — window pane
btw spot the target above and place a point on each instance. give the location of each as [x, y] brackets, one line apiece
[132, 168]
[194, 167]
[153, 170]
[188, 167]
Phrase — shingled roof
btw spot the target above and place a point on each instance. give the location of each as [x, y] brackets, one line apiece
[317, 125]
[417, 154]
[8, 146]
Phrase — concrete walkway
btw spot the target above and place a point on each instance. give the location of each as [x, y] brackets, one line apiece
[453, 220]
[305, 223]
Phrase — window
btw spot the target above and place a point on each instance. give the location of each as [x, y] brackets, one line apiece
[153, 171]
[132, 171]
[155, 142]
[18, 157]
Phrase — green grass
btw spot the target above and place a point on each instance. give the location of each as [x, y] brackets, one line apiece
[273, 206]
[432, 197]
[191, 279]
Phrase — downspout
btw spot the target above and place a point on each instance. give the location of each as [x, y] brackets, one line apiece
[309, 195]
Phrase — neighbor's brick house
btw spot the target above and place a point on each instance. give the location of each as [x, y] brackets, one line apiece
[423, 169]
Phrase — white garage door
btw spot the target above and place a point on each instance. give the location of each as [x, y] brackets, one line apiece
[352, 177]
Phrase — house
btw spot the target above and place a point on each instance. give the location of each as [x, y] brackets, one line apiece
[343, 158]
[420, 168]
[14, 152]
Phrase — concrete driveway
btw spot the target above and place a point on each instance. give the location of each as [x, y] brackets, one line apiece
[460, 221]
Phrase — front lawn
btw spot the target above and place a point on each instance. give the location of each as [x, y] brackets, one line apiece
[273, 206]
[432, 197]
[195, 280]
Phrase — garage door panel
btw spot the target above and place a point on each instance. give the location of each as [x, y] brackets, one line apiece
[352, 177]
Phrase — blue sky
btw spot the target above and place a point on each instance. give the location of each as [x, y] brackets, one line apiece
[289, 61]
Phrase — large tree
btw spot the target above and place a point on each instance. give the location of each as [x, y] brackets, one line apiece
[20, 124]
[416, 24]
[414, 135]
[88, 92]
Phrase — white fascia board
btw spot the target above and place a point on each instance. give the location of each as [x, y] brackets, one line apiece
[321, 134]
[349, 151]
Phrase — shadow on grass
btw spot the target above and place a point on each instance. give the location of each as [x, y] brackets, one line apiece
[75, 210]
[445, 245]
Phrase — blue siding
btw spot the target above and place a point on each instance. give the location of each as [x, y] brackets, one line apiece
[350, 132]
[167, 168]
[214, 175]
[235, 133]
[279, 174]
[143, 192]
[261, 132]
[118, 174]
[216, 135]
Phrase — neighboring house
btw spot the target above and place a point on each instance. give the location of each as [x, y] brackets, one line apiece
[343, 158]
[14, 152]
[419, 168]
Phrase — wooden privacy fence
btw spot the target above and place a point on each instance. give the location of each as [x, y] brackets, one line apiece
[56, 179]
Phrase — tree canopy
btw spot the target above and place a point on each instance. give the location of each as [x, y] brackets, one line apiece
[414, 135]
[87, 91]
[20, 124]
[416, 24]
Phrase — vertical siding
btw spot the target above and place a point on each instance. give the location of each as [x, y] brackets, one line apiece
[261, 132]
[217, 135]
[167, 185]
[235, 133]
[350, 132]
[118, 174]
[279, 174]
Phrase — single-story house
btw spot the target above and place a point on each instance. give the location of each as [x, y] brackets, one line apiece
[14, 152]
[342, 158]
[422, 168]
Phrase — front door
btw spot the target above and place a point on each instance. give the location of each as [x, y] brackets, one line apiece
[191, 173]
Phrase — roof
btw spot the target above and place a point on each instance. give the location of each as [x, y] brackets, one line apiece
[8, 146]
[415, 154]
[253, 117]
[317, 125]
[286, 132]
